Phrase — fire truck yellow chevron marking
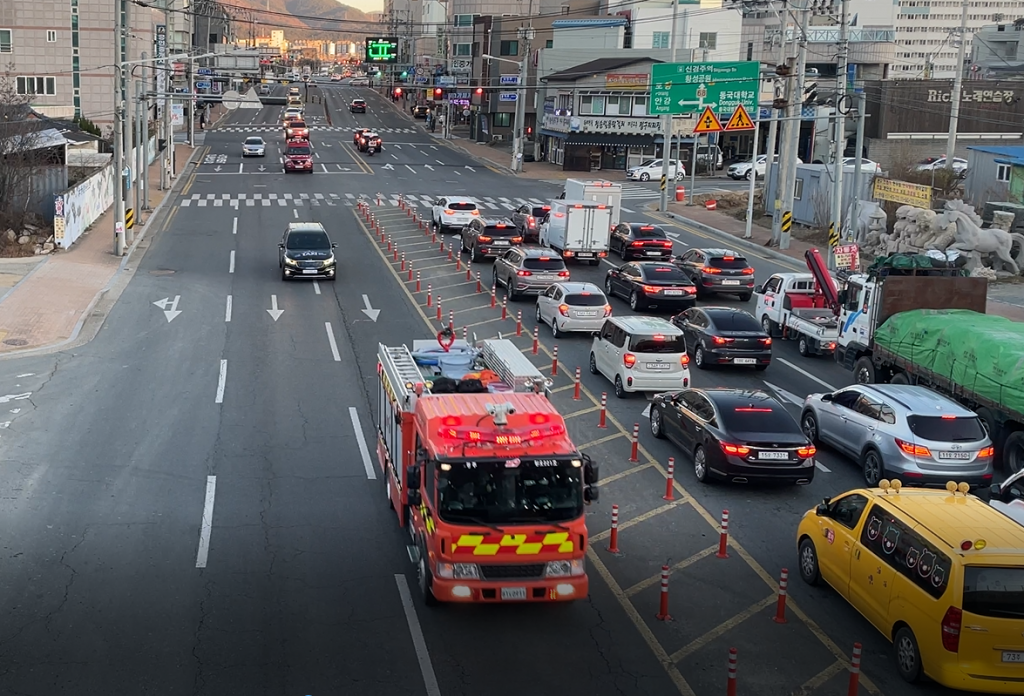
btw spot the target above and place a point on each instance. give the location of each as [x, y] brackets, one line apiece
[518, 544]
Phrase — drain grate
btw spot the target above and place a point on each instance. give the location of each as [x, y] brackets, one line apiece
[15, 342]
[162, 272]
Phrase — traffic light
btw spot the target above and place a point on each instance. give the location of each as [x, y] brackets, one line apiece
[479, 91]
[529, 130]
[405, 74]
[398, 91]
[438, 92]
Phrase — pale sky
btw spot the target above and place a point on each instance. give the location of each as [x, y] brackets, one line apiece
[365, 5]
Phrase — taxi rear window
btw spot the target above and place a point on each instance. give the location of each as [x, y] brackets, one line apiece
[994, 591]
[657, 344]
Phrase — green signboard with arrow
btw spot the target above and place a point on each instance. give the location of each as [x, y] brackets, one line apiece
[684, 88]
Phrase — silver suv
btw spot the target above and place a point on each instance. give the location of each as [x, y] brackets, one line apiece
[528, 270]
[901, 431]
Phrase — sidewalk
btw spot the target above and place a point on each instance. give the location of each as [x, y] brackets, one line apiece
[49, 305]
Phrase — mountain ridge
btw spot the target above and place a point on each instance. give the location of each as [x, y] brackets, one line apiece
[309, 19]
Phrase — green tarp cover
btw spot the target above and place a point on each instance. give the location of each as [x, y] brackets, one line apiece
[908, 262]
[981, 353]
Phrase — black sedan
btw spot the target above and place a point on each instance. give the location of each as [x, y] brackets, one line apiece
[735, 435]
[650, 284]
[636, 240]
[528, 219]
[724, 336]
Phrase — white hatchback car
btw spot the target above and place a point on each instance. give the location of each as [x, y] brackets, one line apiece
[569, 307]
[453, 213]
[640, 354]
[651, 169]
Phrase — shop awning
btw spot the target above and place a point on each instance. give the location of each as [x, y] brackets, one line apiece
[609, 139]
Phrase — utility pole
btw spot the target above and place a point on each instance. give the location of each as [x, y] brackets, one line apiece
[835, 227]
[119, 77]
[666, 120]
[526, 35]
[773, 124]
[954, 110]
[139, 163]
[791, 146]
[167, 170]
[851, 234]
[191, 104]
[144, 135]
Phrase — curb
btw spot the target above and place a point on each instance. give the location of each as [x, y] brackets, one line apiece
[25, 277]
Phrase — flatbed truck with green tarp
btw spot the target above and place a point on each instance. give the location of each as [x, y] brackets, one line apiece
[909, 320]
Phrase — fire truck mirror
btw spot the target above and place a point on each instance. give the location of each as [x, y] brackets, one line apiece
[414, 498]
[591, 472]
[591, 495]
[412, 478]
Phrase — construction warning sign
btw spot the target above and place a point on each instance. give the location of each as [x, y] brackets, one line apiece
[708, 122]
[740, 120]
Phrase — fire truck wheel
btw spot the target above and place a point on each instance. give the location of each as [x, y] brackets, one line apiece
[424, 578]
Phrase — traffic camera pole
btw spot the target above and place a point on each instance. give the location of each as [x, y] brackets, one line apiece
[666, 120]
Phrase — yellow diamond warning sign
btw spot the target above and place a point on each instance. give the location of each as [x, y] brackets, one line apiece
[740, 120]
[708, 122]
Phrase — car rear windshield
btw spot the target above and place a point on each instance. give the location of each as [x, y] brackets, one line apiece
[462, 206]
[358, 102]
[540, 212]
[308, 240]
[734, 321]
[298, 124]
[586, 299]
[544, 264]
[298, 150]
[939, 429]
[666, 274]
[651, 343]
[758, 419]
[734, 263]
[994, 592]
[503, 231]
[648, 232]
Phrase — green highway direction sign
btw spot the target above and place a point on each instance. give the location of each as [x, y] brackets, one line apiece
[684, 88]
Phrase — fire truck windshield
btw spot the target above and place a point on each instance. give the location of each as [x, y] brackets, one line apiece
[510, 491]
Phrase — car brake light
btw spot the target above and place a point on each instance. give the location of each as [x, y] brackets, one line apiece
[709, 269]
[651, 289]
[667, 244]
[987, 452]
[633, 244]
[449, 212]
[735, 449]
[500, 226]
[517, 240]
[523, 274]
[748, 271]
[563, 274]
[530, 220]
[948, 417]
[647, 227]
[607, 310]
[474, 212]
[806, 452]
[721, 341]
[728, 258]
[629, 360]
[951, 629]
[765, 341]
[912, 449]
[484, 240]
[546, 207]
[684, 360]
[563, 309]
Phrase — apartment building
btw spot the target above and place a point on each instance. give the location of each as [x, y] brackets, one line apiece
[59, 53]
[998, 51]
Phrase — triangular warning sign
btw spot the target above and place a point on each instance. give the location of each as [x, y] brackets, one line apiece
[708, 122]
[250, 100]
[740, 120]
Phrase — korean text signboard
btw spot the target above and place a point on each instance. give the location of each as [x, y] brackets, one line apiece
[683, 88]
[161, 75]
[902, 192]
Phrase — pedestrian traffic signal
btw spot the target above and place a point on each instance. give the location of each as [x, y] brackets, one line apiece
[404, 74]
[529, 130]
[398, 91]
[438, 92]
[479, 91]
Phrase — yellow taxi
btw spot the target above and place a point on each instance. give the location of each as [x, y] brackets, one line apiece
[939, 572]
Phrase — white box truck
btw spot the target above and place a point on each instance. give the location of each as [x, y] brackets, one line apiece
[578, 230]
[608, 193]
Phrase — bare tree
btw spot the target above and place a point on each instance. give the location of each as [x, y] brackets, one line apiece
[21, 155]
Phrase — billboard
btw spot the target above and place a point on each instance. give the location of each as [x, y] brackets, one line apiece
[161, 71]
[381, 49]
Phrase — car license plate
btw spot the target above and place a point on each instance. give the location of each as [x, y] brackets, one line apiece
[586, 314]
[745, 361]
[513, 593]
[954, 455]
[673, 292]
[654, 253]
[496, 243]
[658, 366]
[585, 255]
[309, 271]
[1016, 656]
[773, 455]
[730, 282]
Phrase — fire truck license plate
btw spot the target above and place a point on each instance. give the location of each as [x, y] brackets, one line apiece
[511, 593]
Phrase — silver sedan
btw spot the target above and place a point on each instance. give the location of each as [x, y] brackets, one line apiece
[254, 146]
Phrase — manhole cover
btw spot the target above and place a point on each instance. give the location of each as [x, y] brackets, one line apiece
[162, 272]
[16, 342]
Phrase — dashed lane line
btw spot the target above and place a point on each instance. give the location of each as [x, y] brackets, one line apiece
[722, 628]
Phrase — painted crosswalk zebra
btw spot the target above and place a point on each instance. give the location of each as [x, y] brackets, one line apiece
[272, 128]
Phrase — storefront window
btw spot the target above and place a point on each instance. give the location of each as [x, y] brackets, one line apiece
[639, 106]
[502, 119]
[612, 105]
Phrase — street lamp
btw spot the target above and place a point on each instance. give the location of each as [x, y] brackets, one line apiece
[518, 138]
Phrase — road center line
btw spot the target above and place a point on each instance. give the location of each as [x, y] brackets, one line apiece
[234, 226]
[207, 524]
[334, 344]
[316, 286]
[419, 643]
[222, 382]
[364, 452]
[227, 310]
[806, 374]
[231, 263]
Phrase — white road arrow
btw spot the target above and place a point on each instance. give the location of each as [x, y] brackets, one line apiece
[274, 312]
[470, 168]
[785, 395]
[387, 166]
[428, 167]
[262, 168]
[217, 168]
[173, 304]
[370, 311]
[345, 169]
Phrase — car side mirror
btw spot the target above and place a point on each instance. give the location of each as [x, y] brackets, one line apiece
[412, 477]
[994, 491]
[760, 290]
[591, 471]
[595, 334]
[414, 498]
[826, 398]
[842, 296]
[591, 494]
[280, 246]
[334, 245]
[822, 510]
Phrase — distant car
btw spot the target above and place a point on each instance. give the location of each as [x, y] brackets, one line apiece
[742, 170]
[420, 111]
[453, 213]
[932, 164]
[736, 435]
[570, 307]
[358, 106]
[294, 91]
[718, 271]
[306, 252]
[254, 146]
[528, 219]
[866, 165]
[528, 270]
[724, 336]
[359, 133]
[264, 90]
[488, 237]
[639, 240]
[651, 169]
[360, 82]
[336, 77]
[650, 284]
[296, 130]
[370, 139]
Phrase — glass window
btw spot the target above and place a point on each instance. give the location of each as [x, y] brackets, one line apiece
[611, 106]
[708, 40]
[798, 190]
[847, 510]
[586, 300]
[910, 555]
[846, 399]
[51, 36]
[734, 321]
[657, 344]
[668, 274]
[639, 106]
[550, 43]
[461, 206]
[464, 49]
[759, 419]
[6, 41]
[947, 429]
[308, 240]
[493, 491]
[464, 20]
[36, 86]
[509, 48]
[660, 39]
[868, 407]
[994, 592]
[1003, 173]
[544, 264]
[503, 119]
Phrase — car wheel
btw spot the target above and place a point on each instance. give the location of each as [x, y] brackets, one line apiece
[634, 301]
[425, 579]
[609, 289]
[768, 325]
[700, 464]
[645, 177]
[908, 656]
[657, 430]
[745, 297]
[494, 278]
[808, 560]
[809, 426]
[802, 347]
[540, 319]
[899, 378]
[750, 175]
[620, 391]
[698, 358]
[555, 332]
[874, 469]
[864, 371]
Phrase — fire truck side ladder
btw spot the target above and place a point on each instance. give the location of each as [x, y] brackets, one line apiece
[402, 371]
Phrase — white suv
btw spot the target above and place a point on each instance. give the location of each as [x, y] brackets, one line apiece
[453, 213]
[651, 169]
[640, 354]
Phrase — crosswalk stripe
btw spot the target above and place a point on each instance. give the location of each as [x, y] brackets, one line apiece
[413, 200]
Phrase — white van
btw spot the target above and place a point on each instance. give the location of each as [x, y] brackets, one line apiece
[640, 354]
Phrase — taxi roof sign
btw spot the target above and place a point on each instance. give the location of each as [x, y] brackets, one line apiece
[708, 122]
[740, 120]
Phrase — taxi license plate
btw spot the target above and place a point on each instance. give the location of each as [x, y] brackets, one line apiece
[954, 455]
[513, 593]
[673, 292]
[309, 271]
[773, 455]
[745, 361]
[730, 282]
[1013, 656]
[658, 366]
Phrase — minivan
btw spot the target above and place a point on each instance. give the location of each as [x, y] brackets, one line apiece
[640, 354]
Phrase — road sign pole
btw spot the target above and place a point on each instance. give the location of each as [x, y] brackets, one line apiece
[666, 120]
[747, 232]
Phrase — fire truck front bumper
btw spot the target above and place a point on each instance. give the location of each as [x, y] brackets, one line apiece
[564, 589]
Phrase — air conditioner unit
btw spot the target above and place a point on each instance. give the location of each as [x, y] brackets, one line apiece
[497, 138]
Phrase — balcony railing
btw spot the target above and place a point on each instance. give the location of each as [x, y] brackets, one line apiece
[831, 35]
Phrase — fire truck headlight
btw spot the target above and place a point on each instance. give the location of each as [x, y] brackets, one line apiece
[458, 571]
[564, 569]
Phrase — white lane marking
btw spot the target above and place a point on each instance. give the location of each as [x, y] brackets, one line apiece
[410, 169]
[227, 310]
[295, 212]
[821, 467]
[27, 374]
[324, 166]
[222, 382]
[439, 162]
[785, 395]
[231, 264]
[419, 643]
[316, 286]
[364, 452]
[239, 167]
[234, 226]
[207, 525]
[334, 344]
[806, 374]
[626, 210]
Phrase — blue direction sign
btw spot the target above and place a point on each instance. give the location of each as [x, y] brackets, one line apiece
[683, 88]
[204, 71]
[507, 96]
[202, 85]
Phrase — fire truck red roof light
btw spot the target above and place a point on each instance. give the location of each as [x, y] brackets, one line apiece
[539, 419]
[451, 421]
[504, 437]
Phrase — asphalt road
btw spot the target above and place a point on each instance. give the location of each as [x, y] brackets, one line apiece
[189, 507]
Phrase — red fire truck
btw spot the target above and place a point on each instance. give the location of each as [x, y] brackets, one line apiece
[487, 481]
